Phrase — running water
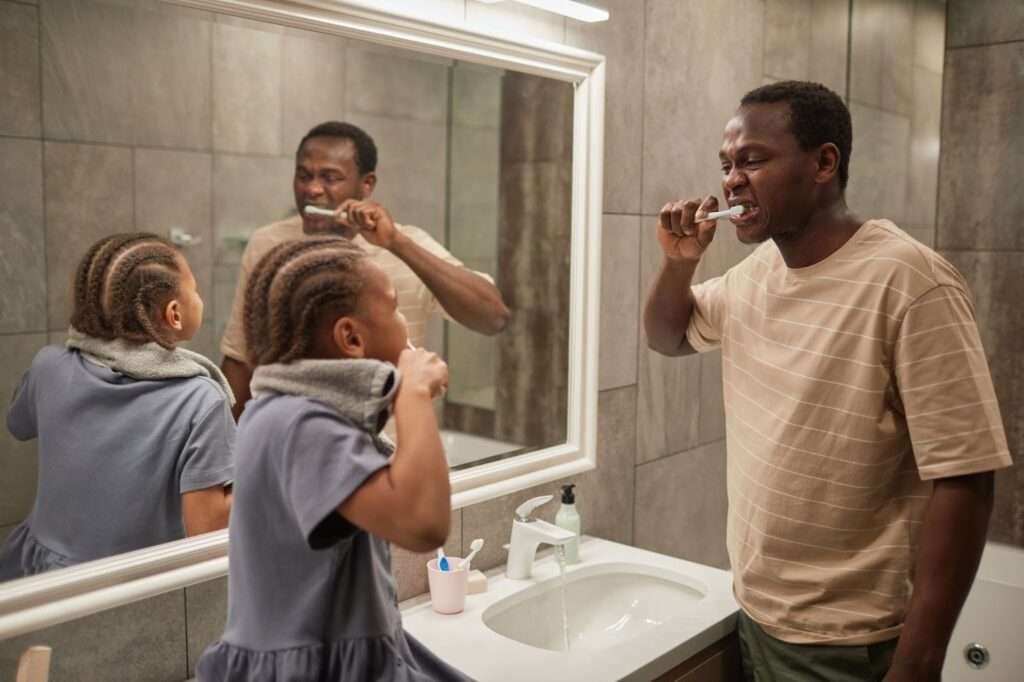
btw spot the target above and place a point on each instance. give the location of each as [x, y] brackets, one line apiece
[560, 556]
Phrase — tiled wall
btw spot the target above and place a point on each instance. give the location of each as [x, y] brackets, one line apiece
[673, 81]
[981, 207]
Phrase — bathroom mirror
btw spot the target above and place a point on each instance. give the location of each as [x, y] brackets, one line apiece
[182, 117]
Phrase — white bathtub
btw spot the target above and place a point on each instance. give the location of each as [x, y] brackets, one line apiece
[993, 617]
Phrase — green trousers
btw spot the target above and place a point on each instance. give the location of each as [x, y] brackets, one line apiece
[766, 659]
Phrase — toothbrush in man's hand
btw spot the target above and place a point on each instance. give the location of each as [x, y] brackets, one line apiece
[316, 210]
[728, 213]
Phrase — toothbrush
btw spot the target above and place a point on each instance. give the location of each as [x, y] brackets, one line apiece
[442, 560]
[316, 210]
[475, 546]
[728, 213]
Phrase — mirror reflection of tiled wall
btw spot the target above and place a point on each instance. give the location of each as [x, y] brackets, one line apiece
[121, 115]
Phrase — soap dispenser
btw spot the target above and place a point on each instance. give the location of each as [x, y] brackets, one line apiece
[569, 519]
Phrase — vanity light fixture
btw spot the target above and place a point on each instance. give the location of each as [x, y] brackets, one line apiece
[568, 8]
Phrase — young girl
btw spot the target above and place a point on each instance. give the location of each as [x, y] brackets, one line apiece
[135, 435]
[310, 593]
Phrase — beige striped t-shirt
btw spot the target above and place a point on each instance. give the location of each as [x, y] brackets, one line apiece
[415, 300]
[849, 386]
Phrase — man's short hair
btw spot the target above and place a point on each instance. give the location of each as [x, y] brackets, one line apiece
[816, 116]
[366, 150]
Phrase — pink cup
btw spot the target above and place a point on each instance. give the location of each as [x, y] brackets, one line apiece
[447, 588]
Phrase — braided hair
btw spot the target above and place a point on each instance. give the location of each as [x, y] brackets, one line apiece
[122, 285]
[292, 290]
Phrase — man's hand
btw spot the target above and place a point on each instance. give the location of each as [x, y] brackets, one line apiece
[371, 219]
[682, 238]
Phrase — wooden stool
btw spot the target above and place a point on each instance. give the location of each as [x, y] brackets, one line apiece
[34, 664]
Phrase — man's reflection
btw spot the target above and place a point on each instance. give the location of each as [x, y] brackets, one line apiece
[335, 169]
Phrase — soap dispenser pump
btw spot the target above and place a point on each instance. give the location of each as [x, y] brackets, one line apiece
[569, 519]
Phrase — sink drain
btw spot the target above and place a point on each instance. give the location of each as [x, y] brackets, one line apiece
[976, 655]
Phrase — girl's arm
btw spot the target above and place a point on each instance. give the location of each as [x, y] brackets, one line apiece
[206, 510]
[409, 502]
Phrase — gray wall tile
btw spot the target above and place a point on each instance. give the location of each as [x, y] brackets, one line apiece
[171, 77]
[930, 34]
[621, 40]
[87, 82]
[411, 169]
[712, 409]
[692, 87]
[88, 196]
[476, 96]
[19, 70]
[248, 193]
[312, 84]
[142, 642]
[22, 240]
[206, 611]
[247, 80]
[980, 202]
[983, 22]
[830, 22]
[882, 55]
[18, 461]
[668, 416]
[604, 496]
[410, 568]
[994, 280]
[162, 178]
[620, 300]
[403, 84]
[682, 506]
[787, 45]
[879, 163]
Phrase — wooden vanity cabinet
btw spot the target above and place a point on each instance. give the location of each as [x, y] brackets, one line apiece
[720, 662]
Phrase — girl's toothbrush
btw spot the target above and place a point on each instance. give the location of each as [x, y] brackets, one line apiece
[442, 560]
[728, 213]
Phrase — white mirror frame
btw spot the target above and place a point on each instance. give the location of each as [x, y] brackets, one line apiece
[32, 603]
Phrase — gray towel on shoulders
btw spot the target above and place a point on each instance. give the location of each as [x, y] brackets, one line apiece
[360, 391]
[147, 360]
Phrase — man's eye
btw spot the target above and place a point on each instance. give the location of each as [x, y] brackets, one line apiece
[332, 178]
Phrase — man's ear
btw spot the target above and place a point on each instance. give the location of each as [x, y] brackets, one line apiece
[827, 163]
[368, 182]
[172, 315]
[349, 337]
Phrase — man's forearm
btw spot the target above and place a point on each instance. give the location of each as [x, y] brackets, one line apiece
[952, 539]
[668, 308]
[470, 299]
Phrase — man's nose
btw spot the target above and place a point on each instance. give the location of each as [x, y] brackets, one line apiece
[314, 186]
[733, 180]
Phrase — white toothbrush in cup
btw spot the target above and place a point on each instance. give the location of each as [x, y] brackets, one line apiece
[475, 547]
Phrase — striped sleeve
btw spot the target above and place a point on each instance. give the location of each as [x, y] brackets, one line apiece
[707, 321]
[943, 381]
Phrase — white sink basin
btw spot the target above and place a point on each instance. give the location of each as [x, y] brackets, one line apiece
[605, 605]
[633, 615]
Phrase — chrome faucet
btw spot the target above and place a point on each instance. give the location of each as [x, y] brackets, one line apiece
[527, 534]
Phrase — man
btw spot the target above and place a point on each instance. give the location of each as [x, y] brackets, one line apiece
[862, 426]
[335, 169]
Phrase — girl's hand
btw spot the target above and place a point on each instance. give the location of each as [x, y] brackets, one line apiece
[422, 369]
